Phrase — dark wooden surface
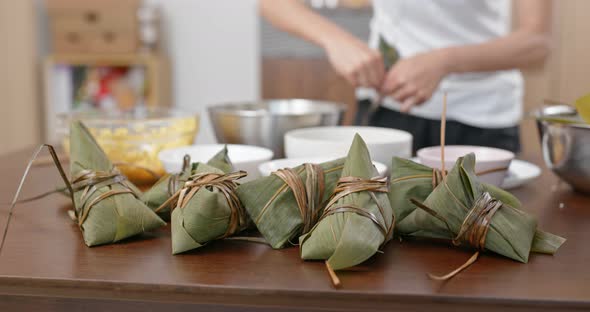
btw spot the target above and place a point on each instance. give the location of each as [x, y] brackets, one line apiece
[45, 265]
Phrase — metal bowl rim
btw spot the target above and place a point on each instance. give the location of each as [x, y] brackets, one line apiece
[540, 113]
[225, 108]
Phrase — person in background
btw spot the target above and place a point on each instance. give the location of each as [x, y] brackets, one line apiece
[465, 48]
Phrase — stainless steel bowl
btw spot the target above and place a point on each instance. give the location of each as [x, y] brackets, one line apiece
[565, 145]
[264, 123]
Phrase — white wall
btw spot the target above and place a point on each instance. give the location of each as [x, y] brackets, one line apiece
[214, 48]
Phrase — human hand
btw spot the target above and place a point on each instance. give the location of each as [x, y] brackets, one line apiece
[412, 81]
[355, 61]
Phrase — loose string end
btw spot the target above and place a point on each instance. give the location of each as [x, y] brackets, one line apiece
[14, 201]
[458, 270]
[333, 277]
[443, 125]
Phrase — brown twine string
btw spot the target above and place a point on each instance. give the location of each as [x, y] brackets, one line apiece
[175, 181]
[350, 185]
[284, 188]
[226, 184]
[86, 180]
[473, 231]
[437, 174]
[89, 181]
[308, 196]
[443, 129]
[437, 177]
[43, 161]
[62, 189]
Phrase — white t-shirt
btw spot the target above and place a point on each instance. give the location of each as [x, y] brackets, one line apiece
[485, 99]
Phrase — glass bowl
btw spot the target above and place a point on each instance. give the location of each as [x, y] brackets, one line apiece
[133, 139]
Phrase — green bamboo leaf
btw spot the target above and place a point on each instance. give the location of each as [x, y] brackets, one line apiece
[347, 239]
[513, 233]
[272, 205]
[117, 217]
[205, 217]
[221, 161]
[160, 192]
[413, 180]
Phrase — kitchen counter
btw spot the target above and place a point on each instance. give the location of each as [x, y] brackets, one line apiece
[45, 265]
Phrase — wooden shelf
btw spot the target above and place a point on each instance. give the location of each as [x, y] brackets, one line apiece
[157, 70]
[101, 59]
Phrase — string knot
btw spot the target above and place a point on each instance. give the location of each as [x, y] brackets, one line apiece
[308, 195]
[474, 228]
[226, 184]
[89, 181]
[476, 224]
[350, 185]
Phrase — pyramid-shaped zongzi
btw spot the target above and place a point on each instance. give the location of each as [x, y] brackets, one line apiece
[206, 208]
[107, 206]
[280, 215]
[411, 180]
[357, 220]
[450, 210]
[170, 183]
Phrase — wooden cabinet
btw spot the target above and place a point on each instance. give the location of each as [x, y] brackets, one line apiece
[105, 26]
[20, 112]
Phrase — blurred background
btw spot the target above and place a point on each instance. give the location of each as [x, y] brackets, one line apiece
[61, 55]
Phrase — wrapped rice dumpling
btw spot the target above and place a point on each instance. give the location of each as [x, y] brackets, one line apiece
[461, 209]
[410, 180]
[206, 208]
[288, 203]
[106, 205]
[171, 183]
[357, 220]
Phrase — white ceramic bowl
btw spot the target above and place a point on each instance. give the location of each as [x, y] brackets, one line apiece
[266, 168]
[383, 143]
[486, 159]
[243, 157]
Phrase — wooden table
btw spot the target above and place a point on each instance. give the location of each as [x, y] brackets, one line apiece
[45, 265]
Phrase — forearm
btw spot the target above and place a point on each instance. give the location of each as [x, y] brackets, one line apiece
[529, 44]
[519, 49]
[295, 17]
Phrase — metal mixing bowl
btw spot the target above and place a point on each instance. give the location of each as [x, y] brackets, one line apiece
[565, 145]
[264, 123]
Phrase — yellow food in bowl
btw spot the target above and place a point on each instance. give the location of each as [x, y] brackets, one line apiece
[583, 107]
[133, 143]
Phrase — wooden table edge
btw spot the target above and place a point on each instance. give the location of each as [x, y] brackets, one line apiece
[259, 297]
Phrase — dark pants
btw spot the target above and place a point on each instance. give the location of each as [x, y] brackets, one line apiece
[426, 132]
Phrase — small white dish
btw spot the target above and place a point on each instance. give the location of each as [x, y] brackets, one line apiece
[519, 173]
[243, 157]
[491, 163]
[269, 167]
[383, 143]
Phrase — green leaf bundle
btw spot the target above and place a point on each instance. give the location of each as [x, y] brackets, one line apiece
[357, 220]
[461, 209]
[106, 206]
[287, 202]
[169, 184]
[206, 208]
[410, 180]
